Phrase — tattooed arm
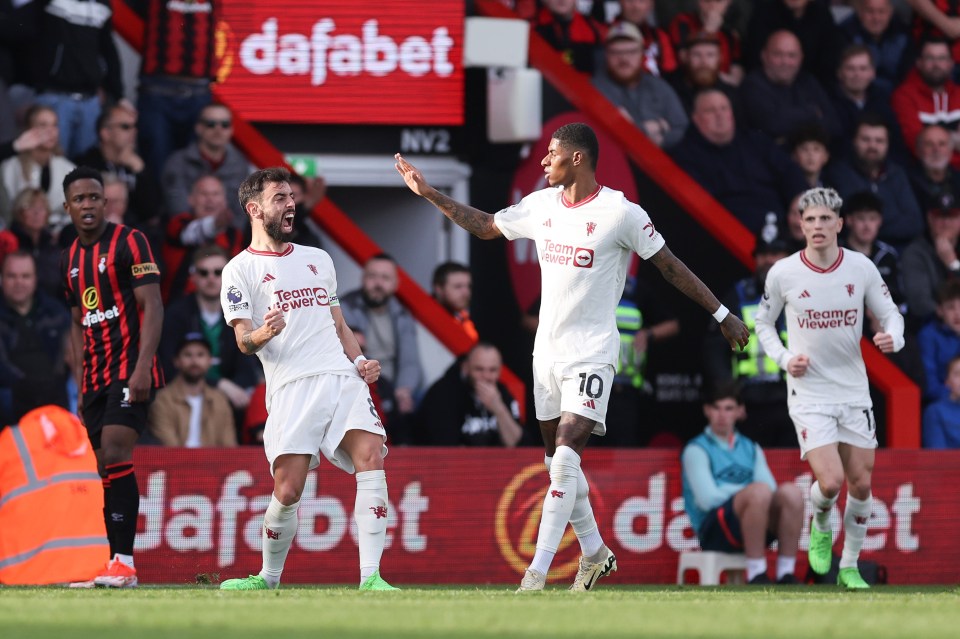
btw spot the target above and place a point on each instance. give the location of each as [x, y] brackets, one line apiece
[685, 281]
[251, 340]
[473, 220]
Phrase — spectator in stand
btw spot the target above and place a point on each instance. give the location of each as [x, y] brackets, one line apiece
[188, 412]
[659, 57]
[643, 98]
[391, 339]
[780, 97]
[928, 96]
[710, 18]
[794, 236]
[200, 312]
[875, 26]
[34, 332]
[809, 20]
[16, 31]
[810, 150]
[937, 19]
[29, 232]
[869, 169]
[940, 341]
[936, 184]
[731, 497]
[307, 193]
[42, 166]
[763, 389]
[856, 93]
[699, 70]
[75, 66]
[929, 260]
[941, 419]
[209, 220]
[576, 36]
[453, 288]
[468, 406]
[642, 320]
[116, 153]
[178, 64]
[744, 171]
[211, 154]
[26, 141]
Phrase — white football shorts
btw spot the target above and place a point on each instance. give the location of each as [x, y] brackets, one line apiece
[823, 424]
[582, 388]
[311, 415]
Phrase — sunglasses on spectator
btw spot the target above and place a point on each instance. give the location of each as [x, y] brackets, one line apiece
[203, 272]
[224, 124]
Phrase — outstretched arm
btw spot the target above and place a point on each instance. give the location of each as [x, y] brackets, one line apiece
[473, 220]
[677, 273]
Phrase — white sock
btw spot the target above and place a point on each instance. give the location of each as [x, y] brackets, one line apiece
[582, 519]
[855, 517]
[756, 567]
[786, 566]
[821, 507]
[370, 512]
[279, 527]
[557, 505]
[126, 560]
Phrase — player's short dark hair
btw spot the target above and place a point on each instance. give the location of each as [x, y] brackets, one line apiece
[445, 270]
[209, 250]
[252, 187]
[723, 390]
[948, 291]
[863, 201]
[579, 137]
[81, 173]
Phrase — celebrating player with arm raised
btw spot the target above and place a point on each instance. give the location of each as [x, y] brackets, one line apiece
[585, 235]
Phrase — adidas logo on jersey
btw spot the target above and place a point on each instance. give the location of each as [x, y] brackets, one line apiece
[590, 404]
[805, 294]
[267, 278]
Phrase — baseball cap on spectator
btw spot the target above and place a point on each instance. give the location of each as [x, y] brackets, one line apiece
[193, 338]
[623, 31]
[945, 205]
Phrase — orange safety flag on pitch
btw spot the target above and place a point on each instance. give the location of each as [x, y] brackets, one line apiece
[51, 501]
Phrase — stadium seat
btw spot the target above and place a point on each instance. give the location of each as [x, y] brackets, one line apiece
[710, 565]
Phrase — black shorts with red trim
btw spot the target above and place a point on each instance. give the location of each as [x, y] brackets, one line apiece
[721, 532]
[111, 407]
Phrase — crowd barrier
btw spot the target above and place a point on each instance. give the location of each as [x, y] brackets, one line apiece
[471, 515]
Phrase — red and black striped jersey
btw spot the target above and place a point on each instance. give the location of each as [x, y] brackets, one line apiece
[100, 279]
[181, 38]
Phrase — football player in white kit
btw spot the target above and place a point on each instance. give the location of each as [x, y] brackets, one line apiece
[585, 235]
[281, 300]
[823, 289]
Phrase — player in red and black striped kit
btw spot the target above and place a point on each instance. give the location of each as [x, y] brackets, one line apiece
[112, 284]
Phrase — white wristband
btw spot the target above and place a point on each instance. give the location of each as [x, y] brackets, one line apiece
[721, 313]
[360, 358]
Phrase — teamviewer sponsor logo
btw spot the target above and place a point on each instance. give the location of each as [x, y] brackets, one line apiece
[566, 255]
[301, 298]
[815, 320]
[583, 258]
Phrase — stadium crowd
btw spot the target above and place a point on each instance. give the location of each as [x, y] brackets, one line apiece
[757, 101]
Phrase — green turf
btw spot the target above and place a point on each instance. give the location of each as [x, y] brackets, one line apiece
[491, 612]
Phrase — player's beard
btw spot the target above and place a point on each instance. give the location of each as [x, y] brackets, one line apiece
[274, 229]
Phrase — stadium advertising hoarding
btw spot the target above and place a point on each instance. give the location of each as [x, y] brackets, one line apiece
[476, 513]
[341, 62]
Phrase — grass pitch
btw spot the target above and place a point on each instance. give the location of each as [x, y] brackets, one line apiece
[493, 612]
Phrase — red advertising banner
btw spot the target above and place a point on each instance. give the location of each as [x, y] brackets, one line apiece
[341, 62]
[475, 513]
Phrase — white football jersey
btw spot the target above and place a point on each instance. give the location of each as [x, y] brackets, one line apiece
[303, 283]
[584, 250]
[824, 311]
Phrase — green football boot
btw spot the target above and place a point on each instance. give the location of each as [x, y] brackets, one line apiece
[850, 579]
[820, 553]
[376, 582]
[253, 582]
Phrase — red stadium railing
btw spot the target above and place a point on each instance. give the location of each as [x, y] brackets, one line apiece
[337, 224]
[902, 395]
